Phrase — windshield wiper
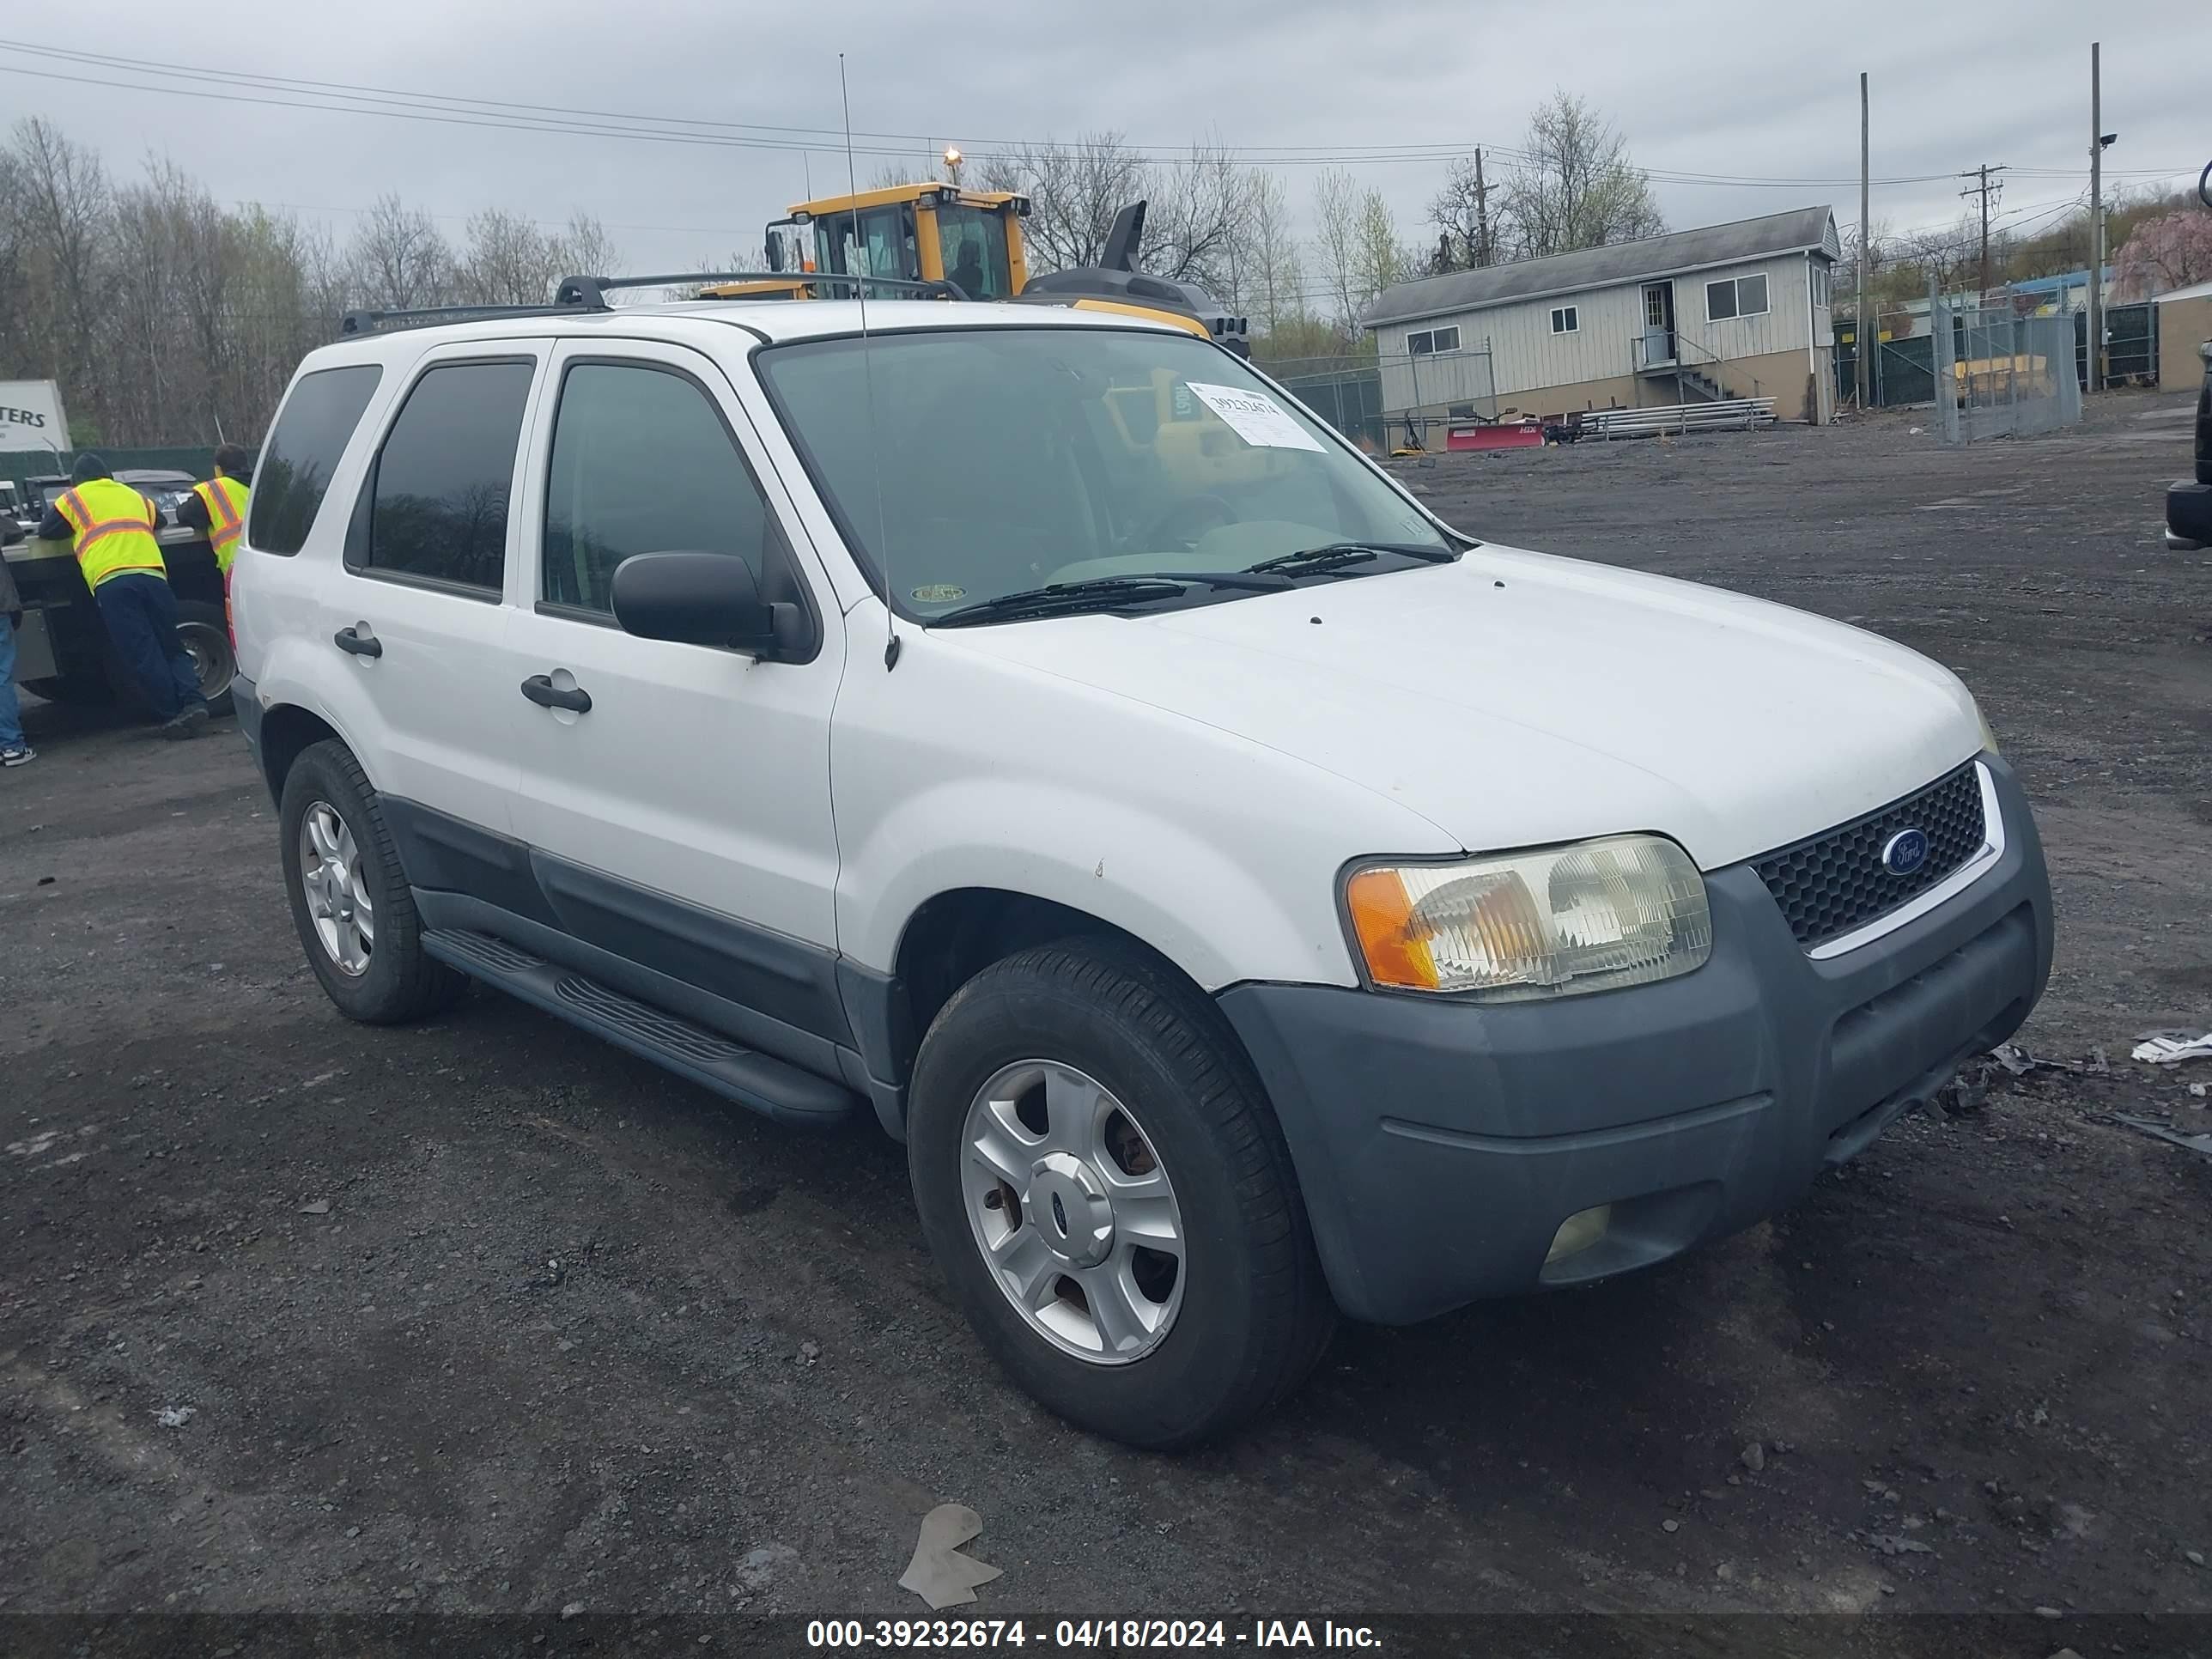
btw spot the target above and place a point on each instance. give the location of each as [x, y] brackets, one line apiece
[1104, 593]
[1334, 555]
[1064, 598]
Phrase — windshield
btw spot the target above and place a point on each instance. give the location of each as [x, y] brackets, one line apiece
[1008, 459]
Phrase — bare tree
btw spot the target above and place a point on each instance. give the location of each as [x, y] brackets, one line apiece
[508, 261]
[1269, 268]
[898, 171]
[1383, 259]
[1074, 192]
[62, 192]
[398, 258]
[584, 248]
[1336, 246]
[1199, 217]
[169, 319]
[1356, 248]
[1575, 185]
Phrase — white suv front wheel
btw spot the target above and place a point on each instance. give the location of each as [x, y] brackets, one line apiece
[1110, 1196]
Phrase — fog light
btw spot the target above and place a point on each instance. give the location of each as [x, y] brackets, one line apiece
[1578, 1232]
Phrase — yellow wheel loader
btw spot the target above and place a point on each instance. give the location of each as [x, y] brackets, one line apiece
[966, 244]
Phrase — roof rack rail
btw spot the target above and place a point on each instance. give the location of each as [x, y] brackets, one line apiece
[589, 293]
[381, 322]
[576, 294]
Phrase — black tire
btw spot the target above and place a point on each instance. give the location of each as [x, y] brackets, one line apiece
[209, 635]
[400, 983]
[1255, 1314]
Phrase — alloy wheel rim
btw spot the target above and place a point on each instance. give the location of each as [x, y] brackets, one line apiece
[1073, 1211]
[337, 899]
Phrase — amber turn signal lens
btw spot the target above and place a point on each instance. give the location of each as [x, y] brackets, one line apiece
[1396, 948]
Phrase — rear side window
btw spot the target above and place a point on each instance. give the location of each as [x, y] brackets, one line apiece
[302, 451]
[438, 502]
[642, 463]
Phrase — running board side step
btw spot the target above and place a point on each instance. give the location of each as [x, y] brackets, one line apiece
[757, 1081]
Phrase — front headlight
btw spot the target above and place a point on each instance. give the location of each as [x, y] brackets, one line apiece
[1989, 736]
[1593, 916]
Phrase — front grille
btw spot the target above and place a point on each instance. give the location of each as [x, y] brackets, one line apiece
[1835, 882]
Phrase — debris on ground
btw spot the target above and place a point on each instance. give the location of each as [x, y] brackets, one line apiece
[574, 1610]
[1968, 1089]
[173, 1417]
[1755, 1457]
[2017, 1061]
[1888, 1544]
[758, 1571]
[316, 1207]
[2198, 1143]
[938, 1573]
[2172, 1047]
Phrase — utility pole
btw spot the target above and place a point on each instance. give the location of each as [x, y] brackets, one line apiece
[1982, 189]
[1482, 253]
[2096, 219]
[1862, 326]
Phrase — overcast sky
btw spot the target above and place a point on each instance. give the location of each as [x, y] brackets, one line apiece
[1738, 89]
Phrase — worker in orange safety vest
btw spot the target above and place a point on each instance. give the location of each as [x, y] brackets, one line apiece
[112, 529]
[216, 508]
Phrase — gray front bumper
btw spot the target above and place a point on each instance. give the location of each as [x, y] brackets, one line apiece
[2189, 514]
[1440, 1144]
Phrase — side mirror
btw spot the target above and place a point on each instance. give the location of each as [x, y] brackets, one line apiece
[702, 599]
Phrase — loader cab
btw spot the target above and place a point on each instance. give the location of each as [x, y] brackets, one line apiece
[928, 233]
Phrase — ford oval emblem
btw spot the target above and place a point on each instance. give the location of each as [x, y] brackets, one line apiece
[1904, 852]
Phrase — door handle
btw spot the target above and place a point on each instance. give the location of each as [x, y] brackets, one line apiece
[358, 641]
[541, 690]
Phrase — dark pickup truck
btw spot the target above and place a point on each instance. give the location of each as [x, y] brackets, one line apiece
[63, 653]
[2189, 500]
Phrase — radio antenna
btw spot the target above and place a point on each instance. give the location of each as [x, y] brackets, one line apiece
[868, 372]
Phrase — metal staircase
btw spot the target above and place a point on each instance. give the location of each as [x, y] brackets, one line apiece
[1697, 385]
[1671, 355]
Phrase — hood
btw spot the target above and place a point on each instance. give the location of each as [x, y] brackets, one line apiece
[1515, 700]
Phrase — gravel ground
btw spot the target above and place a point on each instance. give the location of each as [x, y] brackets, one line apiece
[482, 1316]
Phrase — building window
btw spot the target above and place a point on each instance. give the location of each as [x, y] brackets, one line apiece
[1431, 341]
[1736, 296]
[1563, 320]
[1820, 289]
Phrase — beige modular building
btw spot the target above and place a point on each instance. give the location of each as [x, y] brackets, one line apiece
[1728, 311]
[2184, 323]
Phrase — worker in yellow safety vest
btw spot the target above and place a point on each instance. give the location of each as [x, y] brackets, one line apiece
[113, 529]
[217, 508]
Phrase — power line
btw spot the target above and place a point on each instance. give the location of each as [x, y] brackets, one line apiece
[332, 97]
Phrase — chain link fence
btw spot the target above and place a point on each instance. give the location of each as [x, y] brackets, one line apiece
[1344, 392]
[2008, 376]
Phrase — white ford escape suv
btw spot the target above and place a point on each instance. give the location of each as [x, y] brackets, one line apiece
[1247, 897]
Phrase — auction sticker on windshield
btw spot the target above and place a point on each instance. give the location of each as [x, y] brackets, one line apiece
[1254, 416]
